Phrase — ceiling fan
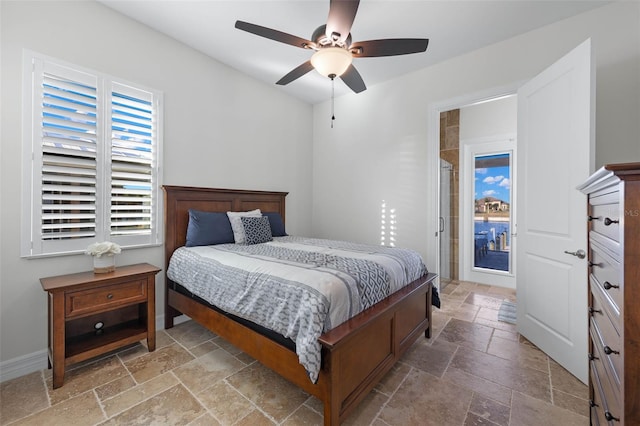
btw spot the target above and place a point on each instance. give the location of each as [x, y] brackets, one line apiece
[333, 48]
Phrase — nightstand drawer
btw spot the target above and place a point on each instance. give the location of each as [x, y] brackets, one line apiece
[98, 299]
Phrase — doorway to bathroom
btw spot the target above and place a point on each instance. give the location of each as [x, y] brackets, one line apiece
[483, 133]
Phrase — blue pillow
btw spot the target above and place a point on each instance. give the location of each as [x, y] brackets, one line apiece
[277, 225]
[256, 229]
[208, 228]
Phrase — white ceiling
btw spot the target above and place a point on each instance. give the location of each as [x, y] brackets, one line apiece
[453, 27]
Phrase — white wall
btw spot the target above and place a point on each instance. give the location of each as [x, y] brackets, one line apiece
[378, 147]
[222, 129]
[488, 119]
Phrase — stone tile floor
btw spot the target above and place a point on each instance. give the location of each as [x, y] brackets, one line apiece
[475, 370]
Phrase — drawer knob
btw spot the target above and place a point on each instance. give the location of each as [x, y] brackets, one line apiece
[608, 221]
[109, 296]
[609, 351]
[592, 403]
[608, 286]
[594, 311]
[593, 218]
[609, 417]
[599, 265]
[592, 357]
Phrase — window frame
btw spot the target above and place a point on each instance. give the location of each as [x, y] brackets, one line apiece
[32, 242]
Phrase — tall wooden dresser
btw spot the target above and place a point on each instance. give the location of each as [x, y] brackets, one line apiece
[614, 294]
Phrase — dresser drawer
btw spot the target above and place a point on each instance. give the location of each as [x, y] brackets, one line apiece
[607, 346]
[608, 305]
[594, 409]
[598, 402]
[607, 273]
[103, 298]
[610, 396]
[605, 219]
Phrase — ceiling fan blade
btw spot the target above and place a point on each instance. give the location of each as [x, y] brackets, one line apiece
[274, 35]
[297, 72]
[352, 78]
[388, 47]
[341, 16]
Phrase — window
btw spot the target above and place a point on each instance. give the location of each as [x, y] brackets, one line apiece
[92, 147]
[492, 211]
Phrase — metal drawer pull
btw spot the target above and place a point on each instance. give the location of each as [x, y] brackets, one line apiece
[591, 264]
[593, 218]
[592, 403]
[608, 286]
[594, 311]
[608, 221]
[592, 357]
[609, 351]
[580, 254]
[609, 417]
[109, 296]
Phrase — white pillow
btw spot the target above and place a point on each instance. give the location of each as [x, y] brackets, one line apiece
[236, 223]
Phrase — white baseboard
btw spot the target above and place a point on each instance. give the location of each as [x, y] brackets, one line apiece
[36, 361]
[176, 321]
[23, 365]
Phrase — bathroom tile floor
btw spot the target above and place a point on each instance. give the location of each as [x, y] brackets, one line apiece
[475, 370]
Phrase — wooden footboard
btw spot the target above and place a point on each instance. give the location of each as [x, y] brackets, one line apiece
[355, 355]
[361, 351]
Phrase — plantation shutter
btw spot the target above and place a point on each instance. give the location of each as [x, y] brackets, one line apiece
[91, 157]
[132, 161]
[69, 128]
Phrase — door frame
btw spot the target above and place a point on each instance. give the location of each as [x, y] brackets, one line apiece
[433, 161]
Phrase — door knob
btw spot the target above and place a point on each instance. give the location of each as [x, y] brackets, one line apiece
[580, 254]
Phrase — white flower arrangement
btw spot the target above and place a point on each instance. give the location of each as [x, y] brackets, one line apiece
[106, 248]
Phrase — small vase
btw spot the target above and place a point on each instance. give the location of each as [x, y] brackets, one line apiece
[104, 264]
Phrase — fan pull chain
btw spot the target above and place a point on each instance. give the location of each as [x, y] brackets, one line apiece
[333, 116]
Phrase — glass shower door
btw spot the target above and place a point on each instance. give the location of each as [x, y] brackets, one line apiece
[445, 221]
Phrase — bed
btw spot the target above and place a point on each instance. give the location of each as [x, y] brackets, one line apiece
[355, 355]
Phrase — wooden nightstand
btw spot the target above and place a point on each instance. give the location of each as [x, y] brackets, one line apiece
[91, 314]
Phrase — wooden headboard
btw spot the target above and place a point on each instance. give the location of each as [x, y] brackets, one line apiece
[179, 199]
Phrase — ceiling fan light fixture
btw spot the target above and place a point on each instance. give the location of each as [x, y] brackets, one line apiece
[331, 61]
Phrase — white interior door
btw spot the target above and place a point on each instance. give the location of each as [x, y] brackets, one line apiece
[555, 154]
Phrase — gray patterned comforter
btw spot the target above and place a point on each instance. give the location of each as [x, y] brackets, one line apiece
[298, 287]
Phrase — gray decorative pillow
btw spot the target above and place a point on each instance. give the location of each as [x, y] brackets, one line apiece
[256, 229]
[236, 223]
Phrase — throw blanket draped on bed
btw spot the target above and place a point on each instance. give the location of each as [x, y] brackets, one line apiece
[298, 287]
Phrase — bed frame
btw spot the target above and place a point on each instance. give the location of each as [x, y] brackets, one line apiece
[355, 355]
